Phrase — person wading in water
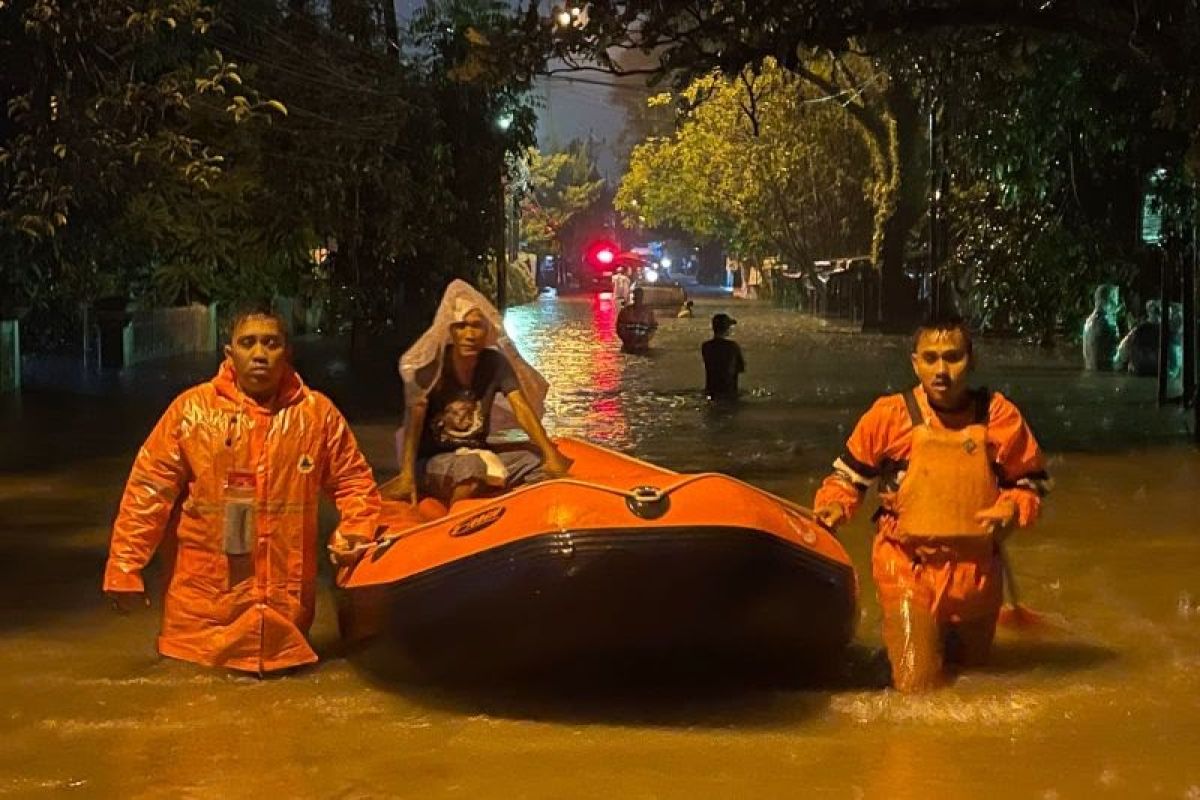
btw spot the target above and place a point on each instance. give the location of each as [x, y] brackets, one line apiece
[957, 470]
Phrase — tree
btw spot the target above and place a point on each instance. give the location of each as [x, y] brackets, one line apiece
[643, 119]
[762, 163]
[139, 158]
[1151, 45]
[105, 100]
[556, 189]
[1047, 152]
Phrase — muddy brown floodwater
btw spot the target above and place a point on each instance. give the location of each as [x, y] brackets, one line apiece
[1110, 708]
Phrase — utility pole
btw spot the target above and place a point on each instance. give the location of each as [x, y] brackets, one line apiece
[501, 247]
[934, 211]
[1189, 324]
[1164, 327]
[1189, 328]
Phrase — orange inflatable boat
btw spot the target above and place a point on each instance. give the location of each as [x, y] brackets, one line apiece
[622, 559]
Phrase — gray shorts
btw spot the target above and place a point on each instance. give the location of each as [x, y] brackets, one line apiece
[438, 475]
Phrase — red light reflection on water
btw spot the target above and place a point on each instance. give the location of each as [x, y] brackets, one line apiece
[606, 419]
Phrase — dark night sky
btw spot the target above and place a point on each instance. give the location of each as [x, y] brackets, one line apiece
[568, 109]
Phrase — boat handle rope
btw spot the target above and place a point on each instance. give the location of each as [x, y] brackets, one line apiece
[638, 494]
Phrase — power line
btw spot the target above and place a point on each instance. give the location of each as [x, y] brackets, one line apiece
[645, 90]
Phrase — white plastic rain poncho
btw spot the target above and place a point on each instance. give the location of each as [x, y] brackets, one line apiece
[421, 365]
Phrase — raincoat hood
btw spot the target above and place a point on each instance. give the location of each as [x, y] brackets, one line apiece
[291, 387]
[422, 364]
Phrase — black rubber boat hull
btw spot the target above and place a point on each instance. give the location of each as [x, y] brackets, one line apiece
[622, 595]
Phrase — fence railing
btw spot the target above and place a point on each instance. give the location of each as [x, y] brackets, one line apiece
[163, 332]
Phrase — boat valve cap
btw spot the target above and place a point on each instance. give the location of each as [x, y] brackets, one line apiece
[647, 502]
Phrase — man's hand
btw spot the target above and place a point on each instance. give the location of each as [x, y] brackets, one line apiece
[556, 464]
[343, 552]
[403, 487]
[831, 515]
[998, 520]
[126, 602]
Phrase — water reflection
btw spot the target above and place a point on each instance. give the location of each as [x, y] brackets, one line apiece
[575, 346]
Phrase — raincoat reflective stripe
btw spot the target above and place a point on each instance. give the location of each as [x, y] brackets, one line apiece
[246, 612]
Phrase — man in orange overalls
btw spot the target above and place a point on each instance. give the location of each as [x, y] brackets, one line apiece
[230, 478]
[957, 470]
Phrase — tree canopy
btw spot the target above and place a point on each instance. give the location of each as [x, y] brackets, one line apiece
[556, 188]
[762, 162]
[1048, 118]
[203, 150]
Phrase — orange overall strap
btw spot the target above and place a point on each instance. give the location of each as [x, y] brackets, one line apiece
[914, 410]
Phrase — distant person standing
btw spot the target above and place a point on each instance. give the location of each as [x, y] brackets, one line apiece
[723, 360]
[620, 286]
[1138, 351]
[1100, 333]
[685, 311]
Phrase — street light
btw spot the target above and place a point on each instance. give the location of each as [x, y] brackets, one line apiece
[569, 16]
[504, 121]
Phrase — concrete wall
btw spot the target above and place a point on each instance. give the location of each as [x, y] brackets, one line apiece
[10, 356]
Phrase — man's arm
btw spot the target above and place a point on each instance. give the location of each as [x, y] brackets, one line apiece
[842, 491]
[348, 480]
[157, 479]
[404, 485]
[741, 362]
[1124, 352]
[1021, 466]
[553, 462]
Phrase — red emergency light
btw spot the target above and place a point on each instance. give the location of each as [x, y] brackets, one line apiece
[601, 253]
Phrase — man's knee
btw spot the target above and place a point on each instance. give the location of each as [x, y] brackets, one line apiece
[464, 490]
[522, 466]
[969, 643]
[913, 639]
[442, 476]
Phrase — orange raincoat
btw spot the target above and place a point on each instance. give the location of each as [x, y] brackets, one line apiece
[249, 612]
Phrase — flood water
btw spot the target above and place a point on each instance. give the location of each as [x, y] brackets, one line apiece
[1107, 707]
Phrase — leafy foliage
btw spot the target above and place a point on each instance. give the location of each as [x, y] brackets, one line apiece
[1023, 270]
[1053, 115]
[555, 189]
[176, 150]
[762, 162]
[1048, 154]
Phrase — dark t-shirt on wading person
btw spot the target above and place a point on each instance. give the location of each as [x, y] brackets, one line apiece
[458, 415]
[722, 363]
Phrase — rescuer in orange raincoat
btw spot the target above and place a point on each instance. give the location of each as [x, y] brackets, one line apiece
[957, 470]
[230, 478]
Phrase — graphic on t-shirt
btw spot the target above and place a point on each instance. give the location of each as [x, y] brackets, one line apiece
[459, 423]
[460, 415]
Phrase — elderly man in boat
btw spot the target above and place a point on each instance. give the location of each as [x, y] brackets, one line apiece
[464, 379]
